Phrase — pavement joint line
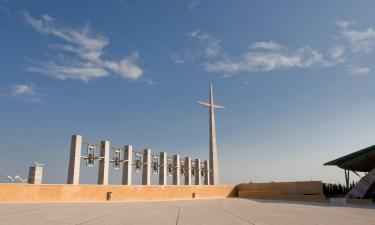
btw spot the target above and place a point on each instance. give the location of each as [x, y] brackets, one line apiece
[235, 215]
[93, 219]
[178, 215]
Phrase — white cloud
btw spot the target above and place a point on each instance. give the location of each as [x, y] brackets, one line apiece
[343, 24]
[213, 49]
[266, 61]
[212, 44]
[125, 67]
[270, 45]
[358, 70]
[87, 49]
[263, 56]
[201, 35]
[74, 70]
[26, 92]
[337, 53]
[362, 42]
[260, 56]
[176, 58]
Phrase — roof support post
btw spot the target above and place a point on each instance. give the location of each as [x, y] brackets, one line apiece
[347, 177]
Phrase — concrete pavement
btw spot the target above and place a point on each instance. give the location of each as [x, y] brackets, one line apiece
[230, 211]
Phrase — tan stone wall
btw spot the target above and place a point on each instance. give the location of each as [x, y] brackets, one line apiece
[47, 193]
[290, 191]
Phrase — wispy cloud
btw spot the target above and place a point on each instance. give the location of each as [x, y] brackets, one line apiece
[261, 56]
[343, 24]
[362, 42]
[212, 44]
[253, 61]
[26, 92]
[270, 45]
[87, 49]
[264, 56]
[209, 47]
[176, 58]
[5, 8]
[357, 70]
[337, 53]
[193, 4]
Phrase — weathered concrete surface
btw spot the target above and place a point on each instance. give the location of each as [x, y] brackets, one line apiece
[35, 174]
[75, 159]
[231, 211]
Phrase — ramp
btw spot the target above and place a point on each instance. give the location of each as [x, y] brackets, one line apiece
[364, 187]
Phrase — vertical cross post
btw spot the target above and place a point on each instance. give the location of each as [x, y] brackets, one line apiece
[163, 168]
[74, 159]
[127, 167]
[104, 163]
[176, 170]
[146, 172]
[214, 163]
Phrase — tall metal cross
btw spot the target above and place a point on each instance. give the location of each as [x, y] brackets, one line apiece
[214, 164]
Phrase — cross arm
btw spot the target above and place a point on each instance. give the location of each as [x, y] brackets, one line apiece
[204, 104]
[209, 105]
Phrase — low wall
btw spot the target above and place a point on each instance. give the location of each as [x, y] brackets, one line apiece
[290, 191]
[48, 193]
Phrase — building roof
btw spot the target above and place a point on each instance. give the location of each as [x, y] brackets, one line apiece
[362, 160]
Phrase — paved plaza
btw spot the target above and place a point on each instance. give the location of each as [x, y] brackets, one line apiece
[230, 211]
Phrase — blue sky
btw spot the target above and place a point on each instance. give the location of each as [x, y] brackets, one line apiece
[296, 78]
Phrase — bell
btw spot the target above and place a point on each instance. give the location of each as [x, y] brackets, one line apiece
[155, 168]
[90, 160]
[170, 169]
[116, 163]
[138, 165]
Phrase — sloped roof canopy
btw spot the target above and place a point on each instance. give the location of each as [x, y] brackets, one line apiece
[362, 160]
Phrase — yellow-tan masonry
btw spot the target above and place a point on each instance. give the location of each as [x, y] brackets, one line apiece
[294, 191]
[52, 193]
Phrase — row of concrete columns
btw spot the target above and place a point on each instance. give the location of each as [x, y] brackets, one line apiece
[189, 167]
[35, 174]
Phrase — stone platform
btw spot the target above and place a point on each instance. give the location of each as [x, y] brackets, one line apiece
[189, 212]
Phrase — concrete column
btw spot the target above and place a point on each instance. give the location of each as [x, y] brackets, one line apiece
[74, 159]
[35, 174]
[104, 163]
[128, 163]
[187, 174]
[198, 176]
[176, 170]
[206, 172]
[146, 172]
[163, 168]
